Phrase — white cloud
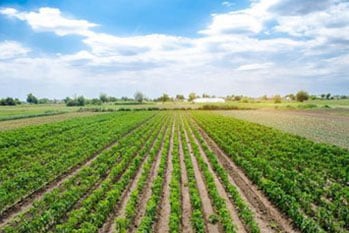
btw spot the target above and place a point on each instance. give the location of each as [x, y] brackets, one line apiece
[51, 20]
[250, 20]
[255, 66]
[12, 49]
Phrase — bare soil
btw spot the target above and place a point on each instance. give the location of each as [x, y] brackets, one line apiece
[146, 194]
[165, 207]
[119, 210]
[231, 208]
[207, 207]
[186, 205]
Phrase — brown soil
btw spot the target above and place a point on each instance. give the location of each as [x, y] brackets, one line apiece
[165, 207]
[186, 205]
[268, 216]
[146, 194]
[206, 202]
[109, 225]
[231, 208]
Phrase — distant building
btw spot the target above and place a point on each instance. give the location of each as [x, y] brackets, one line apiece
[209, 100]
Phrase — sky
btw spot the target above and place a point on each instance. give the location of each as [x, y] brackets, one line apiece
[63, 48]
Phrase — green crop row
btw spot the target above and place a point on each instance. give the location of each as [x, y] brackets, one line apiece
[197, 218]
[28, 162]
[146, 224]
[175, 186]
[97, 206]
[307, 180]
[217, 201]
[123, 222]
[54, 205]
[242, 208]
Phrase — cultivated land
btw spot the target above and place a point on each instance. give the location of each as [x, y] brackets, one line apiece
[169, 171]
[32, 121]
[320, 125]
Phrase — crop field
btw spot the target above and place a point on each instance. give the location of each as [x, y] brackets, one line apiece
[169, 171]
[32, 121]
[330, 126]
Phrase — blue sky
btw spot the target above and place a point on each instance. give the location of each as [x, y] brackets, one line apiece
[62, 48]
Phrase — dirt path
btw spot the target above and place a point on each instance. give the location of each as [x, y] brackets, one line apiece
[206, 202]
[231, 208]
[146, 194]
[165, 208]
[268, 216]
[109, 225]
[27, 202]
[186, 205]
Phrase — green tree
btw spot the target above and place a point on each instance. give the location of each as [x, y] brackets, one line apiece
[139, 97]
[103, 97]
[179, 97]
[164, 98]
[191, 97]
[31, 99]
[302, 96]
[277, 99]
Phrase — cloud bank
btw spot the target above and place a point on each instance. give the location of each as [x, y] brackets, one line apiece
[272, 46]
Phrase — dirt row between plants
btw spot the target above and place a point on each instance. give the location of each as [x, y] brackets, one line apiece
[27, 202]
[231, 207]
[268, 217]
[207, 206]
[120, 208]
[162, 225]
[141, 208]
[185, 195]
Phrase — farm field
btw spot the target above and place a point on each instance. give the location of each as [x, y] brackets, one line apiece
[31, 121]
[322, 126]
[169, 171]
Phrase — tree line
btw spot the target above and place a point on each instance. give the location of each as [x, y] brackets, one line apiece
[139, 98]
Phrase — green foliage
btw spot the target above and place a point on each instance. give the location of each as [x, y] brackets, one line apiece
[9, 101]
[78, 101]
[31, 99]
[139, 97]
[31, 174]
[296, 174]
[302, 96]
[191, 97]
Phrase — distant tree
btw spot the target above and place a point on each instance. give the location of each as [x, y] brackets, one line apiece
[323, 96]
[44, 101]
[164, 98]
[264, 97]
[277, 99]
[290, 97]
[79, 101]
[191, 96]
[139, 97]
[328, 95]
[31, 99]
[313, 97]
[204, 95]
[9, 101]
[96, 101]
[302, 96]
[179, 97]
[112, 99]
[237, 97]
[103, 97]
